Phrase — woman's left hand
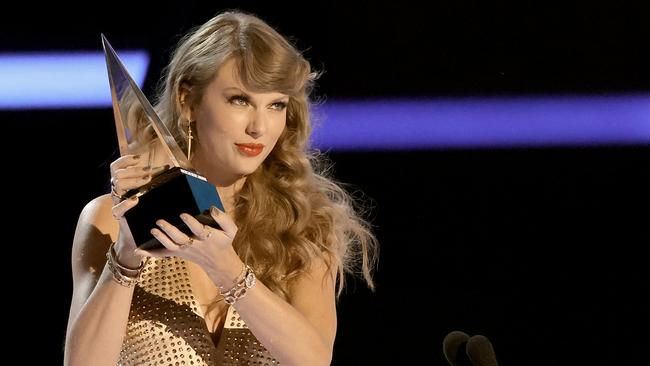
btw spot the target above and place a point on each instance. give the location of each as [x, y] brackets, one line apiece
[209, 247]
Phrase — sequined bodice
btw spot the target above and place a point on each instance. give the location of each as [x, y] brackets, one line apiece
[165, 328]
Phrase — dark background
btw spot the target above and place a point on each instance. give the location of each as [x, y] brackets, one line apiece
[543, 250]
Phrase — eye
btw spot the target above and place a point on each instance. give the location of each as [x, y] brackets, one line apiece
[239, 100]
[279, 106]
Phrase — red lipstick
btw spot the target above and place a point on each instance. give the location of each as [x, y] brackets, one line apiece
[250, 149]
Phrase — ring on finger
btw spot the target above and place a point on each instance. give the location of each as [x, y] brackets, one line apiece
[113, 191]
[190, 241]
[114, 194]
[207, 232]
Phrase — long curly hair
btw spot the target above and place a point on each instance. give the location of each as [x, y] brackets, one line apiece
[288, 211]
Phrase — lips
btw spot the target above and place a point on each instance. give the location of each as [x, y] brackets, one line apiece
[250, 149]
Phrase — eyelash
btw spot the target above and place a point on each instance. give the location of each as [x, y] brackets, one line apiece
[235, 98]
[281, 105]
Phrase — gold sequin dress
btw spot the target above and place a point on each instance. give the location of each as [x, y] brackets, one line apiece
[165, 329]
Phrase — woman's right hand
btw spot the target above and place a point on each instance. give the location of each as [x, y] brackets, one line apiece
[127, 172]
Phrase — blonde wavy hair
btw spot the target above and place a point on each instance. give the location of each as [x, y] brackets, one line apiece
[288, 211]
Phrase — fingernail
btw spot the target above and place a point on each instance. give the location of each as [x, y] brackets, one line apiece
[146, 168]
[214, 210]
[134, 198]
[161, 168]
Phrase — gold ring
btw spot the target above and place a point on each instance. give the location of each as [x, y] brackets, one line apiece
[189, 242]
[205, 228]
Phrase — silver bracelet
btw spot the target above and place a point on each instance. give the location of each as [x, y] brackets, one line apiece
[127, 277]
[239, 277]
[240, 289]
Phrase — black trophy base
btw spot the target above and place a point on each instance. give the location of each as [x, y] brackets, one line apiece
[168, 195]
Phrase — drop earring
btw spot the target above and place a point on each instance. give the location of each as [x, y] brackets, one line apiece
[189, 139]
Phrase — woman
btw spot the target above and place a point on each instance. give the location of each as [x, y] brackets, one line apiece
[259, 289]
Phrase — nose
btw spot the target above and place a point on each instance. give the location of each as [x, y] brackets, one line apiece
[256, 125]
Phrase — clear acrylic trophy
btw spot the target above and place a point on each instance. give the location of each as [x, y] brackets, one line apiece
[177, 190]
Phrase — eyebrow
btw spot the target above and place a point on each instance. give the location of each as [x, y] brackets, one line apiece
[233, 88]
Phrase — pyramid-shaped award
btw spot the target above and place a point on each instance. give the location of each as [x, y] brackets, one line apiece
[177, 190]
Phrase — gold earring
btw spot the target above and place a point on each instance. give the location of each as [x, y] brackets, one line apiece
[189, 139]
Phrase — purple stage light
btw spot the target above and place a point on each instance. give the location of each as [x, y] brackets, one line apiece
[482, 122]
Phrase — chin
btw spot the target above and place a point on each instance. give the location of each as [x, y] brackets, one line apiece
[248, 170]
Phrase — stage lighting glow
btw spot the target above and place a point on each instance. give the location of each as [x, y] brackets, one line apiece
[61, 80]
[483, 122]
[78, 80]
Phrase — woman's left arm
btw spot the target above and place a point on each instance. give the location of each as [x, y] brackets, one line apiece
[298, 332]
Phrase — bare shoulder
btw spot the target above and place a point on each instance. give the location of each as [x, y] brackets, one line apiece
[318, 279]
[96, 229]
[99, 207]
[97, 215]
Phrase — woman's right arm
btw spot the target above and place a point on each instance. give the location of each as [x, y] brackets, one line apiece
[100, 305]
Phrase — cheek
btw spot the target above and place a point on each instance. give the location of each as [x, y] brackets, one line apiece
[279, 128]
[214, 126]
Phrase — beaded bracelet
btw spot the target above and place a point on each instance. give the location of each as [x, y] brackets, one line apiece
[126, 277]
[240, 289]
[239, 277]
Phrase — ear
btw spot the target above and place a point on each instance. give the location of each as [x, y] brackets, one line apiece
[185, 100]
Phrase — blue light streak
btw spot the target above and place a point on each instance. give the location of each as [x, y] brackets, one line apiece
[519, 121]
[61, 80]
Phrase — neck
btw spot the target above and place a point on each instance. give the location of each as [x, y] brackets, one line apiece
[227, 185]
[228, 193]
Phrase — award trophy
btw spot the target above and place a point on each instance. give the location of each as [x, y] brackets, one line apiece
[177, 190]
